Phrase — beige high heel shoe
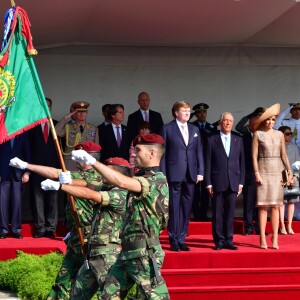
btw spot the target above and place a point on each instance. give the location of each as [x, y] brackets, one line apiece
[274, 246]
[263, 244]
[282, 230]
[290, 231]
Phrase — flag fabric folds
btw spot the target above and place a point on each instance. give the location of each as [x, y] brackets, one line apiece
[22, 100]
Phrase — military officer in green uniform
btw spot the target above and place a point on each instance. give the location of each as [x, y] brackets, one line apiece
[73, 258]
[104, 239]
[76, 132]
[146, 216]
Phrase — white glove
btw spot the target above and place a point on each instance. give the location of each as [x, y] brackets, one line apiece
[18, 163]
[83, 156]
[50, 185]
[65, 177]
[296, 165]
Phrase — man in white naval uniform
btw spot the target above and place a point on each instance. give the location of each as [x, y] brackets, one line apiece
[293, 122]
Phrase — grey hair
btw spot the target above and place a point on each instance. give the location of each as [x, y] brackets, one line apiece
[226, 113]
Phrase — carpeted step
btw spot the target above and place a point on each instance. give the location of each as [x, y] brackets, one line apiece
[230, 277]
[246, 292]
[249, 254]
[10, 246]
[197, 228]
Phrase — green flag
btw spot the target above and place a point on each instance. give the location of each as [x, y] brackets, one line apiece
[22, 100]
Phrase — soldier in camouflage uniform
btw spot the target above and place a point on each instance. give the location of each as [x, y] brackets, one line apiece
[73, 258]
[146, 216]
[104, 241]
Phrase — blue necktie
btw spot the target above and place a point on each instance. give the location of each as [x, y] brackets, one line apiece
[227, 145]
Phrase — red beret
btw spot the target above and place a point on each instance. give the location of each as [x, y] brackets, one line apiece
[88, 147]
[150, 138]
[117, 161]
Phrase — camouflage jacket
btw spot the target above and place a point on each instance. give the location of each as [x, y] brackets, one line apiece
[146, 214]
[85, 208]
[108, 221]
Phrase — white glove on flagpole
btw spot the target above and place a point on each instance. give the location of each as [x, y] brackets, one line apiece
[83, 156]
[18, 163]
[50, 185]
[65, 177]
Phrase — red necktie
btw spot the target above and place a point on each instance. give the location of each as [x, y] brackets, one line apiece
[46, 133]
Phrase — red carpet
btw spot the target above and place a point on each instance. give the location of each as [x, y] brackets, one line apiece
[204, 273]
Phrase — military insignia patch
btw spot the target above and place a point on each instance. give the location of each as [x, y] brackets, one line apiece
[92, 133]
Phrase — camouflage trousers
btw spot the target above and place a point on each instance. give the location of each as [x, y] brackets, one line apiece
[72, 261]
[89, 281]
[124, 273]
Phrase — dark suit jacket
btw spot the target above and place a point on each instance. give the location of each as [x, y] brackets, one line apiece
[209, 129]
[247, 140]
[109, 146]
[179, 158]
[21, 149]
[134, 119]
[100, 129]
[224, 172]
[42, 153]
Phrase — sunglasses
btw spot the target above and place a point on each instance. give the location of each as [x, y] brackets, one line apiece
[288, 133]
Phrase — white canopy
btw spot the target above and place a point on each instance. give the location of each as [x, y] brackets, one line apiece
[162, 22]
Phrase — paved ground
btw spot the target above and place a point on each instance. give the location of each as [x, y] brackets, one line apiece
[7, 295]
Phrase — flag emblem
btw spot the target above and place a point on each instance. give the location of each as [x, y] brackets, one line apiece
[7, 89]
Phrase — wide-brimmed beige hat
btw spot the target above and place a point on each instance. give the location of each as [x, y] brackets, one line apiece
[274, 110]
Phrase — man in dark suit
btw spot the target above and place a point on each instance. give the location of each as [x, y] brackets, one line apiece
[11, 184]
[183, 166]
[144, 114]
[115, 140]
[250, 212]
[105, 110]
[44, 204]
[224, 175]
[201, 196]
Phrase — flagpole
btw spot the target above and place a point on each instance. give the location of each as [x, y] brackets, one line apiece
[71, 198]
[26, 41]
[58, 150]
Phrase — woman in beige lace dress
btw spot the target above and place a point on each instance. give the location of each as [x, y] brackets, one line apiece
[269, 160]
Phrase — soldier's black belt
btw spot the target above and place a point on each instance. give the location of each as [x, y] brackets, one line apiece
[147, 243]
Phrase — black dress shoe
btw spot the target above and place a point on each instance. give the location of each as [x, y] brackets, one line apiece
[17, 235]
[218, 247]
[3, 235]
[248, 232]
[184, 247]
[231, 247]
[175, 248]
[39, 235]
[50, 235]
